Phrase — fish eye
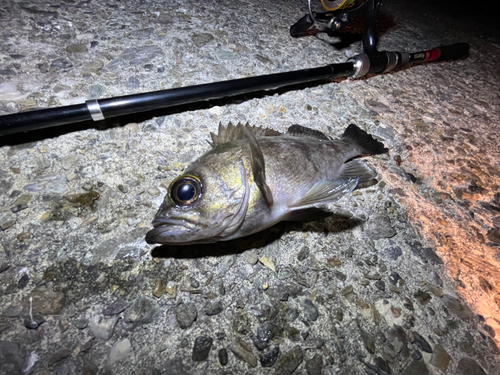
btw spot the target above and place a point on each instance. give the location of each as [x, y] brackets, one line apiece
[185, 190]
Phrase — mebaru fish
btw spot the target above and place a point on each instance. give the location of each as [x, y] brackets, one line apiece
[253, 178]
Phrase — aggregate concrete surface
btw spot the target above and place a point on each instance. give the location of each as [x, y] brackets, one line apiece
[404, 279]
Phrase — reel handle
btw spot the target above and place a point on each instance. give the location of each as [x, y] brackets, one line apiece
[300, 27]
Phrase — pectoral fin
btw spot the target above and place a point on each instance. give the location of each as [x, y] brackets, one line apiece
[258, 167]
[326, 192]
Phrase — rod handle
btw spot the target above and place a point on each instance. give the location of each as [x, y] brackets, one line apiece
[453, 51]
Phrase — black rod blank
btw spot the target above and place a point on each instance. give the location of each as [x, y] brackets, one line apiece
[136, 103]
[101, 109]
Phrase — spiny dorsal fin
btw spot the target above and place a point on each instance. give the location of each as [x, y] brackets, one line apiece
[232, 133]
[300, 131]
[258, 165]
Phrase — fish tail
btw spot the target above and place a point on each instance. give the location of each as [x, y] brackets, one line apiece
[363, 140]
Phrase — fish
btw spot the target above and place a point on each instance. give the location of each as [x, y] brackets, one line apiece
[254, 177]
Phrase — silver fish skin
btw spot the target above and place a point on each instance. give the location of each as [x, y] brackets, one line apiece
[253, 178]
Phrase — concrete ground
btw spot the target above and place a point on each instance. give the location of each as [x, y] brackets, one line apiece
[403, 279]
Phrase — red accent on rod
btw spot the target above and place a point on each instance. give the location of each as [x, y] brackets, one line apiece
[433, 54]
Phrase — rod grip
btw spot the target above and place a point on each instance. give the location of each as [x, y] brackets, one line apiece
[453, 51]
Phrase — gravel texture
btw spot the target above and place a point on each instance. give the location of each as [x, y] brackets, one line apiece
[404, 280]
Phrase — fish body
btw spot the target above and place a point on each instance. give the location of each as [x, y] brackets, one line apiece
[253, 178]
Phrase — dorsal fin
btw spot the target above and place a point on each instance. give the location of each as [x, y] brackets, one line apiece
[231, 133]
[299, 131]
[258, 165]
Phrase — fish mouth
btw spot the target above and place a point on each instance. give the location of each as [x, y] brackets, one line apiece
[161, 221]
[169, 230]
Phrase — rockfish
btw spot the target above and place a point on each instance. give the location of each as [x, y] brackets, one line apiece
[253, 178]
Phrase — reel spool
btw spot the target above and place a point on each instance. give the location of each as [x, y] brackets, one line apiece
[331, 5]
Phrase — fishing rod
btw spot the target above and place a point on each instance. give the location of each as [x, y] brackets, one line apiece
[370, 61]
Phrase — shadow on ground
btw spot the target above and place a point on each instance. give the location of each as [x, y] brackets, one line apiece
[332, 224]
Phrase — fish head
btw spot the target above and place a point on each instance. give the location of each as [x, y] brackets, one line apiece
[205, 204]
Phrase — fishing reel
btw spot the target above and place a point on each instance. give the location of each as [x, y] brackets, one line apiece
[338, 14]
